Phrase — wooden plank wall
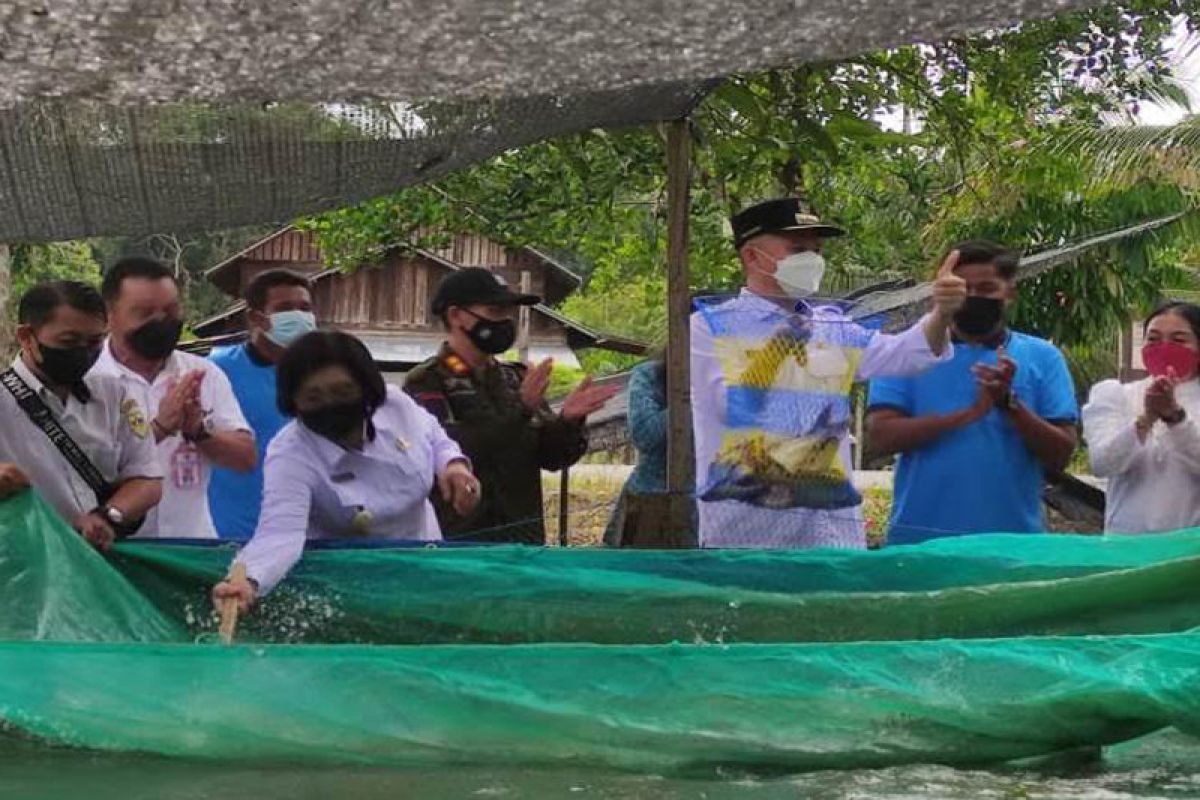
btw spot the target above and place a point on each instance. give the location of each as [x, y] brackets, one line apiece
[396, 294]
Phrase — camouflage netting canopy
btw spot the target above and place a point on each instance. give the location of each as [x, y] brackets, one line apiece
[132, 116]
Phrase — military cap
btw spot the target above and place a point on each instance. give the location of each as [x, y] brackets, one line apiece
[777, 216]
[477, 286]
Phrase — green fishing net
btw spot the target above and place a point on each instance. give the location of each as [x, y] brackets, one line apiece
[959, 652]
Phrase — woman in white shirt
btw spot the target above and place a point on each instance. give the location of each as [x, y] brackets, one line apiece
[1145, 436]
[359, 459]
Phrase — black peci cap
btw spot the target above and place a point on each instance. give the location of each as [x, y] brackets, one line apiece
[477, 286]
[776, 216]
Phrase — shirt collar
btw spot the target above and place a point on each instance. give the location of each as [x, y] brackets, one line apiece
[80, 391]
[456, 365]
[256, 358]
[1002, 338]
[334, 457]
[26, 374]
[110, 363]
[1189, 390]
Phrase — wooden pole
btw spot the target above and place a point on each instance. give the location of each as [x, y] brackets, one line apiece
[860, 427]
[524, 320]
[229, 606]
[1125, 350]
[7, 344]
[564, 503]
[681, 467]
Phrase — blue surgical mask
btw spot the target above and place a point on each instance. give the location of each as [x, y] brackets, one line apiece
[288, 326]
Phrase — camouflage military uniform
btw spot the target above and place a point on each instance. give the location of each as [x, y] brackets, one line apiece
[481, 409]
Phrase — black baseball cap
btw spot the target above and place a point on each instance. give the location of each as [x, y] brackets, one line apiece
[776, 216]
[477, 286]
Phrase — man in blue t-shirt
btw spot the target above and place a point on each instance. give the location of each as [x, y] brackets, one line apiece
[278, 311]
[976, 434]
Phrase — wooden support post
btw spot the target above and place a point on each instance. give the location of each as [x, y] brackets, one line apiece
[524, 320]
[1125, 351]
[564, 503]
[860, 427]
[681, 465]
[8, 344]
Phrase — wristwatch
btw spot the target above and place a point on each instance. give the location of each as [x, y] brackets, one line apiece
[1176, 418]
[1008, 402]
[114, 516]
[199, 436]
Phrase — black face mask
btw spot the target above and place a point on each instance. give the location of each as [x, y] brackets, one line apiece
[66, 366]
[157, 338]
[335, 421]
[980, 316]
[491, 336]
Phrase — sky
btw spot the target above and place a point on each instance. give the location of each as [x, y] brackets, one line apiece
[1187, 73]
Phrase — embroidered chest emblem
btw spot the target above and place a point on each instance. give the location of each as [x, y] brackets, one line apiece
[135, 418]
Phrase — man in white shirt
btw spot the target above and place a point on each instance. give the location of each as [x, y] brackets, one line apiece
[821, 353]
[60, 329]
[194, 416]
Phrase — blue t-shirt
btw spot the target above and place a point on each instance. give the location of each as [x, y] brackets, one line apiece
[981, 478]
[234, 498]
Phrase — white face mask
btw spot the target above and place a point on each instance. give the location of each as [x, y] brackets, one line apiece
[799, 275]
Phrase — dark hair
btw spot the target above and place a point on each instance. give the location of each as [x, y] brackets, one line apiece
[981, 251]
[39, 302]
[264, 282]
[1189, 311]
[320, 349]
[132, 267]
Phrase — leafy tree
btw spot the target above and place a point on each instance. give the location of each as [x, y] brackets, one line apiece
[961, 165]
[31, 264]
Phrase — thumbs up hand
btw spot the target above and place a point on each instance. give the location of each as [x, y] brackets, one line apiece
[949, 290]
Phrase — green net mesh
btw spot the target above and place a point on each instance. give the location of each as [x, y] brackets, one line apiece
[151, 116]
[959, 652]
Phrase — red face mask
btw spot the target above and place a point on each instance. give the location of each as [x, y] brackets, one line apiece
[1161, 357]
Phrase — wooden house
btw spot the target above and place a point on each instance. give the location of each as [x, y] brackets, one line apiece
[386, 304]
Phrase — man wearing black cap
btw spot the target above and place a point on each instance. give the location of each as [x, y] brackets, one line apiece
[497, 411]
[771, 372]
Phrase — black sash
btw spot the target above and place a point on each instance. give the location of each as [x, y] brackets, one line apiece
[43, 418]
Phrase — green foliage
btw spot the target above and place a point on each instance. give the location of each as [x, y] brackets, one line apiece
[562, 380]
[188, 256]
[31, 264]
[963, 165]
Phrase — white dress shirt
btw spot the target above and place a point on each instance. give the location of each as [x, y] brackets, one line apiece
[1154, 485]
[111, 428]
[732, 523]
[313, 487]
[183, 512]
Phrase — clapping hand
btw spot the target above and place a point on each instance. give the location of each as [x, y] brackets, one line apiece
[535, 384]
[997, 381]
[1160, 397]
[180, 401]
[587, 399]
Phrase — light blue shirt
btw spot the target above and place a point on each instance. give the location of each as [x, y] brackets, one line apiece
[982, 478]
[316, 489]
[234, 498]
